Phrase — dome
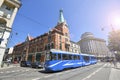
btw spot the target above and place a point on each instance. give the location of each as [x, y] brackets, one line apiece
[87, 35]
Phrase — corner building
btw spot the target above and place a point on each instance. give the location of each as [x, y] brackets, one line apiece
[34, 49]
[8, 11]
[92, 45]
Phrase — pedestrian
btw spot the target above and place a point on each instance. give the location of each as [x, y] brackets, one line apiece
[115, 63]
[8, 62]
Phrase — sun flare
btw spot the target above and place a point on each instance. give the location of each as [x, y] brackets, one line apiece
[114, 20]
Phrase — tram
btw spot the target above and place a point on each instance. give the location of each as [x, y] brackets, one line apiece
[59, 60]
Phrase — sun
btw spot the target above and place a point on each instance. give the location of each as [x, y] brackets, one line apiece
[117, 20]
[114, 19]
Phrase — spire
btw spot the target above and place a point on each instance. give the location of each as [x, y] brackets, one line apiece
[28, 38]
[61, 17]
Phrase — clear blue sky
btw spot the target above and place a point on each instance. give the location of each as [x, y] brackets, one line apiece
[36, 17]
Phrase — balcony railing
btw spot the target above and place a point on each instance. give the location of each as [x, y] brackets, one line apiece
[15, 1]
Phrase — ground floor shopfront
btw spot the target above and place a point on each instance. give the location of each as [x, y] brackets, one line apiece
[32, 57]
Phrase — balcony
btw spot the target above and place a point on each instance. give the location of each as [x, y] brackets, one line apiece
[16, 3]
[4, 15]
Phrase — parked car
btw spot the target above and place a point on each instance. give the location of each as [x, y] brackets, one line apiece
[36, 64]
[25, 64]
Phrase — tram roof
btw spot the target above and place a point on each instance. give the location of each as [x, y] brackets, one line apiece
[86, 54]
[62, 52]
[59, 51]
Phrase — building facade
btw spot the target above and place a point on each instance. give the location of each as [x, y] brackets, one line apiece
[74, 47]
[35, 48]
[8, 10]
[92, 45]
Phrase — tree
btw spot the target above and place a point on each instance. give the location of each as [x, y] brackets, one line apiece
[114, 40]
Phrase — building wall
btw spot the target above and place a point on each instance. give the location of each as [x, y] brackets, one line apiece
[54, 39]
[74, 47]
[94, 46]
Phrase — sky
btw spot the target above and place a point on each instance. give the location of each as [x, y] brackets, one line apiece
[35, 17]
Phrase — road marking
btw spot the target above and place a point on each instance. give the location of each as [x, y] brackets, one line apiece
[36, 79]
[12, 71]
[26, 70]
[94, 72]
[34, 69]
[1, 72]
[49, 75]
[44, 77]
[8, 72]
[59, 73]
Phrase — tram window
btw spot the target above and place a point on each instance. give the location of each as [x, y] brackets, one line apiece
[86, 58]
[54, 57]
[78, 57]
[65, 56]
[93, 58]
[70, 57]
[75, 57]
[48, 56]
[59, 56]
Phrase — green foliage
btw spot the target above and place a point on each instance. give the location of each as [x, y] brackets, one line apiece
[114, 40]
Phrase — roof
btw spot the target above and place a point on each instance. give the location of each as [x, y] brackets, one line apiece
[59, 51]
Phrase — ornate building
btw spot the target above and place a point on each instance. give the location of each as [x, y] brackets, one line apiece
[74, 47]
[8, 11]
[92, 45]
[35, 48]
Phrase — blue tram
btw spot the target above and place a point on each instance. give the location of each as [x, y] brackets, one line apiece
[60, 60]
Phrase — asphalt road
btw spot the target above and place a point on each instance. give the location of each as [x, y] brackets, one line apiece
[99, 71]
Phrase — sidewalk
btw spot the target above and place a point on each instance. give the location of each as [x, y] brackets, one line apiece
[115, 72]
[10, 66]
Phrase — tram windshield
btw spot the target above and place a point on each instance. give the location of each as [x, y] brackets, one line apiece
[51, 56]
[48, 56]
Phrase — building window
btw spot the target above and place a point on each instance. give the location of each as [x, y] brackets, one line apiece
[66, 34]
[52, 45]
[60, 45]
[38, 56]
[48, 46]
[8, 8]
[45, 47]
[29, 57]
[49, 38]
[66, 40]
[60, 38]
